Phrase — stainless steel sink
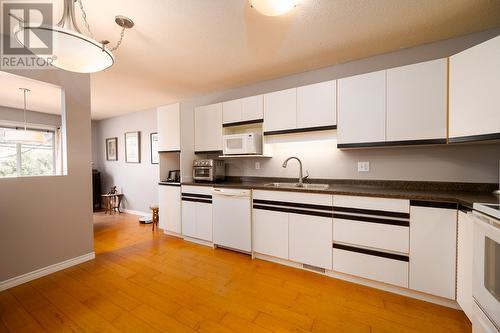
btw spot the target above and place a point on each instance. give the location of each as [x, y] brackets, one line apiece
[306, 186]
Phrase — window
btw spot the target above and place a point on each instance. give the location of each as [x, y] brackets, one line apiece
[20, 159]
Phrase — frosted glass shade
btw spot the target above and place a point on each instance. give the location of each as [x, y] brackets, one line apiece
[73, 51]
[273, 7]
[22, 136]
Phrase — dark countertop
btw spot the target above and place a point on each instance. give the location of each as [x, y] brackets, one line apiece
[464, 194]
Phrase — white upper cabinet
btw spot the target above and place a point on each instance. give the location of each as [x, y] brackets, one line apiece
[433, 249]
[280, 110]
[231, 111]
[243, 109]
[474, 92]
[169, 137]
[208, 128]
[252, 108]
[317, 105]
[417, 101]
[361, 113]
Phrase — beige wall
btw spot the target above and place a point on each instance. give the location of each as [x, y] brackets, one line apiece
[468, 163]
[33, 117]
[46, 220]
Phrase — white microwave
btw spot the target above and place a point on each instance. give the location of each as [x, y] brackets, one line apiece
[242, 144]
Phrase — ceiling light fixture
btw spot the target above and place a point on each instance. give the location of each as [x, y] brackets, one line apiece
[72, 50]
[273, 7]
[26, 136]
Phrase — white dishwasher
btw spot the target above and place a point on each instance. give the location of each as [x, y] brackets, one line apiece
[231, 213]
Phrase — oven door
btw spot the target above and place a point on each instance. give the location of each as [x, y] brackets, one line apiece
[486, 266]
[235, 145]
[203, 173]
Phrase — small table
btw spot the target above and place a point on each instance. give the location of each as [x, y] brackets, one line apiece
[112, 203]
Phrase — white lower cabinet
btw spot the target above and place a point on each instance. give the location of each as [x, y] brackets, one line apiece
[170, 208]
[204, 221]
[197, 212]
[374, 235]
[433, 246]
[289, 225]
[189, 219]
[464, 262]
[373, 267]
[270, 233]
[310, 240]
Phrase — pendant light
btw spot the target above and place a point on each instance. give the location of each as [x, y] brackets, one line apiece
[273, 7]
[26, 136]
[73, 51]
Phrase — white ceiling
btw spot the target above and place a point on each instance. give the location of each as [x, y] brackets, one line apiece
[183, 48]
[43, 96]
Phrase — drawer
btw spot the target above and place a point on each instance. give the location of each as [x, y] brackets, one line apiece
[374, 204]
[371, 265]
[374, 235]
[294, 197]
[206, 190]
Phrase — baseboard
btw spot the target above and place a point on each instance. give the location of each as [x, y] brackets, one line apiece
[173, 234]
[395, 289]
[15, 281]
[199, 241]
[136, 212]
[369, 283]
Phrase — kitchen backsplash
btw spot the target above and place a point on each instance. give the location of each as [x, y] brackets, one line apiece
[320, 156]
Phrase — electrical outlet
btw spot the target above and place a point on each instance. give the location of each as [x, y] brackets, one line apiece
[363, 166]
[257, 165]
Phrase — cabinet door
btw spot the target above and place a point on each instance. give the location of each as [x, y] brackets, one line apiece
[208, 127]
[317, 105]
[464, 263]
[311, 240]
[270, 233]
[417, 101]
[433, 245]
[231, 111]
[170, 208]
[204, 221]
[189, 218]
[252, 108]
[361, 113]
[169, 125]
[280, 110]
[474, 97]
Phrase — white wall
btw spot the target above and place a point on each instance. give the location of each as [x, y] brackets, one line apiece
[319, 155]
[138, 181]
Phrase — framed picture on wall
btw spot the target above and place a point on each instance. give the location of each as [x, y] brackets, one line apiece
[112, 149]
[153, 144]
[133, 147]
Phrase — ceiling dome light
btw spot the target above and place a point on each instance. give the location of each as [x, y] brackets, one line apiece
[273, 7]
[72, 50]
[24, 136]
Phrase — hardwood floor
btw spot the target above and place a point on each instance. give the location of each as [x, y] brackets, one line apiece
[144, 282]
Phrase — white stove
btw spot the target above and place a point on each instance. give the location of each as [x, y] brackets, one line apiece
[492, 210]
[486, 268]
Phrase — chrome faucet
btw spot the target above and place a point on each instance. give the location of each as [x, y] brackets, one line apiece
[301, 177]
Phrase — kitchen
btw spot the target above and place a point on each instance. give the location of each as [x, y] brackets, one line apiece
[257, 165]
[413, 238]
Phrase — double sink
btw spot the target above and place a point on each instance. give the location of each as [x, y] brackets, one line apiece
[306, 186]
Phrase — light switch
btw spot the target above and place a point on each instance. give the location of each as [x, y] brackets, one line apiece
[257, 165]
[363, 166]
